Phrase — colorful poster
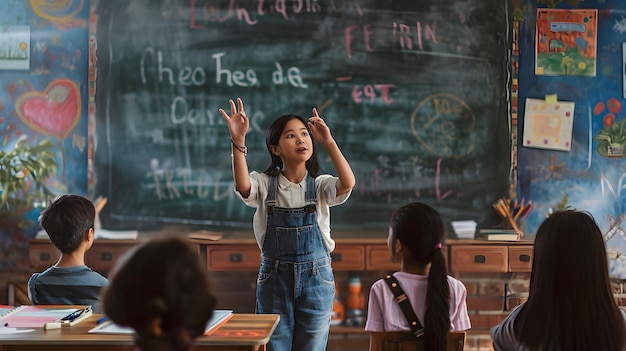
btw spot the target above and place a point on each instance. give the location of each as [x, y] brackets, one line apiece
[548, 125]
[15, 47]
[566, 42]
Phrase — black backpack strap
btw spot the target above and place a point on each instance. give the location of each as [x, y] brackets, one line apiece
[405, 305]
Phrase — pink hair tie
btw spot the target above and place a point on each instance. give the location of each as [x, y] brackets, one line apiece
[438, 246]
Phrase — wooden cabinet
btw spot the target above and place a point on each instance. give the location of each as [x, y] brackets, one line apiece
[246, 257]
[348, 257]
[378, 258]
[42, 254]
[473, 256]
[233, 257]
[479, 258]
[101, 257]
[520, 258]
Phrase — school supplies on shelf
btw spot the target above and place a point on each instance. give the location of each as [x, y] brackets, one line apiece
[499, 234]
[217, 320]
[512, 212]
[36, 316]
[464, 229]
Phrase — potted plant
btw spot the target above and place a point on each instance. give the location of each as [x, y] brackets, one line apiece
[24, 171]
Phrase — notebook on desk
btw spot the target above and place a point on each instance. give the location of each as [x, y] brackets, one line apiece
[218, 319]
[35, 316]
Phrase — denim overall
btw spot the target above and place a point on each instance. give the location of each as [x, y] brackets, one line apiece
[295, 278]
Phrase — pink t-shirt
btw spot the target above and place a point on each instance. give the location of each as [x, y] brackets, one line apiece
[384, 313]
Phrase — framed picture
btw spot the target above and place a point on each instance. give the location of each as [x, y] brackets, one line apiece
[566, 42]
[15, 47]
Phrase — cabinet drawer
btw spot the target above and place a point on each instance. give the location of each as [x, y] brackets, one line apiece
[379, 258]
[42, 255]
[479, 258]
[520, 258]
[102, 257]
[233, 257]
[348, 258]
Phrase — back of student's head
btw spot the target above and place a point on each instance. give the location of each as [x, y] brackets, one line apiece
[272, 137]
[421, 230]
[570, 304]
[66, 221]
[162, 290]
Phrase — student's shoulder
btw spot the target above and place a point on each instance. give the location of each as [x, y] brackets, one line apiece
[33, 278]
[378, 285]
[257, 174]
[455, 283]
[96, 276]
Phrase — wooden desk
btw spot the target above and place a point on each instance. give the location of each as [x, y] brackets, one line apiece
[241, 332]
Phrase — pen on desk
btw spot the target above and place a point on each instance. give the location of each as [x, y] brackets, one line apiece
[69, 320]
[72, 316]
[101, 320]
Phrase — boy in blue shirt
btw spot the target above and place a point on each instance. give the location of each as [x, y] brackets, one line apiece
[69, 222]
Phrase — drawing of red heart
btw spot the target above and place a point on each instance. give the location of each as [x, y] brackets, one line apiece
[56, 111]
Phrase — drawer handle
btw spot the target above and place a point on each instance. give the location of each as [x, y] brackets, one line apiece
[524, 258]
[480, 259]
[44, 256]
[336, 257]
[236, 258]
[107, 256]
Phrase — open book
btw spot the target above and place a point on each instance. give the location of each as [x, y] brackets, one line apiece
[217, 320]
[31, 316]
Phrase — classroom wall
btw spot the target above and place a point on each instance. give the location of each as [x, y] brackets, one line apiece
[44, 94]
[60, 40]
[585, 69]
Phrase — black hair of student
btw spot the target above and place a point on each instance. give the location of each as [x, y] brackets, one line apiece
[420, 228]
[162, 290]
[570, 303]
[66, 220]
[274, 132]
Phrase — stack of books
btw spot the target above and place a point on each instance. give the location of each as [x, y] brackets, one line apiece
[500, 234]
[464, 229]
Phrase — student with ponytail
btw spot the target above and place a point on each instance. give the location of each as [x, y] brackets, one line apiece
[416, 233]
[162, 290]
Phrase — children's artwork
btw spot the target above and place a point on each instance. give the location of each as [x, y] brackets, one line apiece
[15, 47]
[548, 124]
[566, 42]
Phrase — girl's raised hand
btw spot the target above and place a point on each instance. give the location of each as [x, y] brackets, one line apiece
[238, 122]
[319, 129]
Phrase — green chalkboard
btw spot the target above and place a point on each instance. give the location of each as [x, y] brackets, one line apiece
[415, 93]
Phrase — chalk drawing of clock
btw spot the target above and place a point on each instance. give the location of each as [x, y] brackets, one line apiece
[443, 124]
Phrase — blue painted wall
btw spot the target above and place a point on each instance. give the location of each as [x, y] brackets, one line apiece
[49, 99]
[589, 180]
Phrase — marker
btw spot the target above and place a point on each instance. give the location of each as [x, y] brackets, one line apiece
[72, 316]
[99, 321]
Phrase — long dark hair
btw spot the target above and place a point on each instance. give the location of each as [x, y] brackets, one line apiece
[161, 289]
[570, 304]
[272, 137]
[420, 228]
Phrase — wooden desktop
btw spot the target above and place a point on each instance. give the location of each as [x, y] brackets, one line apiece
[249, 332]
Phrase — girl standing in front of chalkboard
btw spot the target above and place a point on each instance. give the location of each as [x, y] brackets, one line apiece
[292, 223]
